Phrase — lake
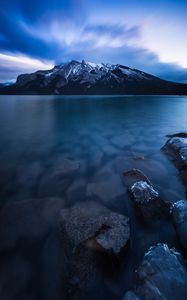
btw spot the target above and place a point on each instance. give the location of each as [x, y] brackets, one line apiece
[105, 136]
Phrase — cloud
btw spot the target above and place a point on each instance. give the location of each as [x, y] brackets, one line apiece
[46, 32]
[12, 66]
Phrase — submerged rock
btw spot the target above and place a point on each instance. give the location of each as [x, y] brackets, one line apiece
[28, 220]
[107, 189]
[179, 215]
[91, 235]
[58, 178]
[161, 276]
[144, 195]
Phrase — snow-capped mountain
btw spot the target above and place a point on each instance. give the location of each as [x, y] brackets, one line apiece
[88, 78]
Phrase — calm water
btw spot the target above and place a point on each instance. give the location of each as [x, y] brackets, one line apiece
[106, 135]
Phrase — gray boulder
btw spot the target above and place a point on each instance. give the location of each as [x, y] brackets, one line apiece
[162, 275]
[145, 197]
[179, 215]
[90, 235]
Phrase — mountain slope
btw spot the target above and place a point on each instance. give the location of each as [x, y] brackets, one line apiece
[88, 78]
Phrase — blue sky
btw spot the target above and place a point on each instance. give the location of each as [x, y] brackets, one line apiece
[144, 34]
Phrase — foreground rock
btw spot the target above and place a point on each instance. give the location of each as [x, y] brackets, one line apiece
[179, 215]
[144, 195]
[28, 220]
[161, 276]
[91, 235]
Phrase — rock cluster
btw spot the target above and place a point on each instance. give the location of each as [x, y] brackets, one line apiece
[161, 276]
[92, 239]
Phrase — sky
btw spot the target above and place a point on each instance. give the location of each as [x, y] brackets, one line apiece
[143, 34]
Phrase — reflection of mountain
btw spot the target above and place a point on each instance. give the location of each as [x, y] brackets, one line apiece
[88, 78]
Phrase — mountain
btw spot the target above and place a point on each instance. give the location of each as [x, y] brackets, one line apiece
[88, 78]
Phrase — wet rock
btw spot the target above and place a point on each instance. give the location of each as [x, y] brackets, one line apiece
[176, 150]
[131, 296]
[133, 176]
[28, 220]
[179, 134]
[57, 179]
[91, 235]
[161, 276]
[179, 215]
[144, 195]
[183, 177]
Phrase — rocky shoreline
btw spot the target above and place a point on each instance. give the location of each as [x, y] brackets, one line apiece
[89, 242]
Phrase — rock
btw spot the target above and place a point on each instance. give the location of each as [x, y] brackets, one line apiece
[143, 192]
[183, 177]
[133, 176]
[176, 149]
[58, 178]
[91, 221]
[76, 191]
[110, 150]
[106, 190]
[144, 195]
[91, 234]
[95, 160]
[65, 166]
[161, 276]
[26, 180]
[28, 220]
[179, 215]
[131, 296]
[123, 140]
[179, 134]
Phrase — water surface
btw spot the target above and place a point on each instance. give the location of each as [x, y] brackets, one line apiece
[106, 135]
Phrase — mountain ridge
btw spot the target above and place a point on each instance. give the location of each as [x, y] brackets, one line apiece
[86, 78]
